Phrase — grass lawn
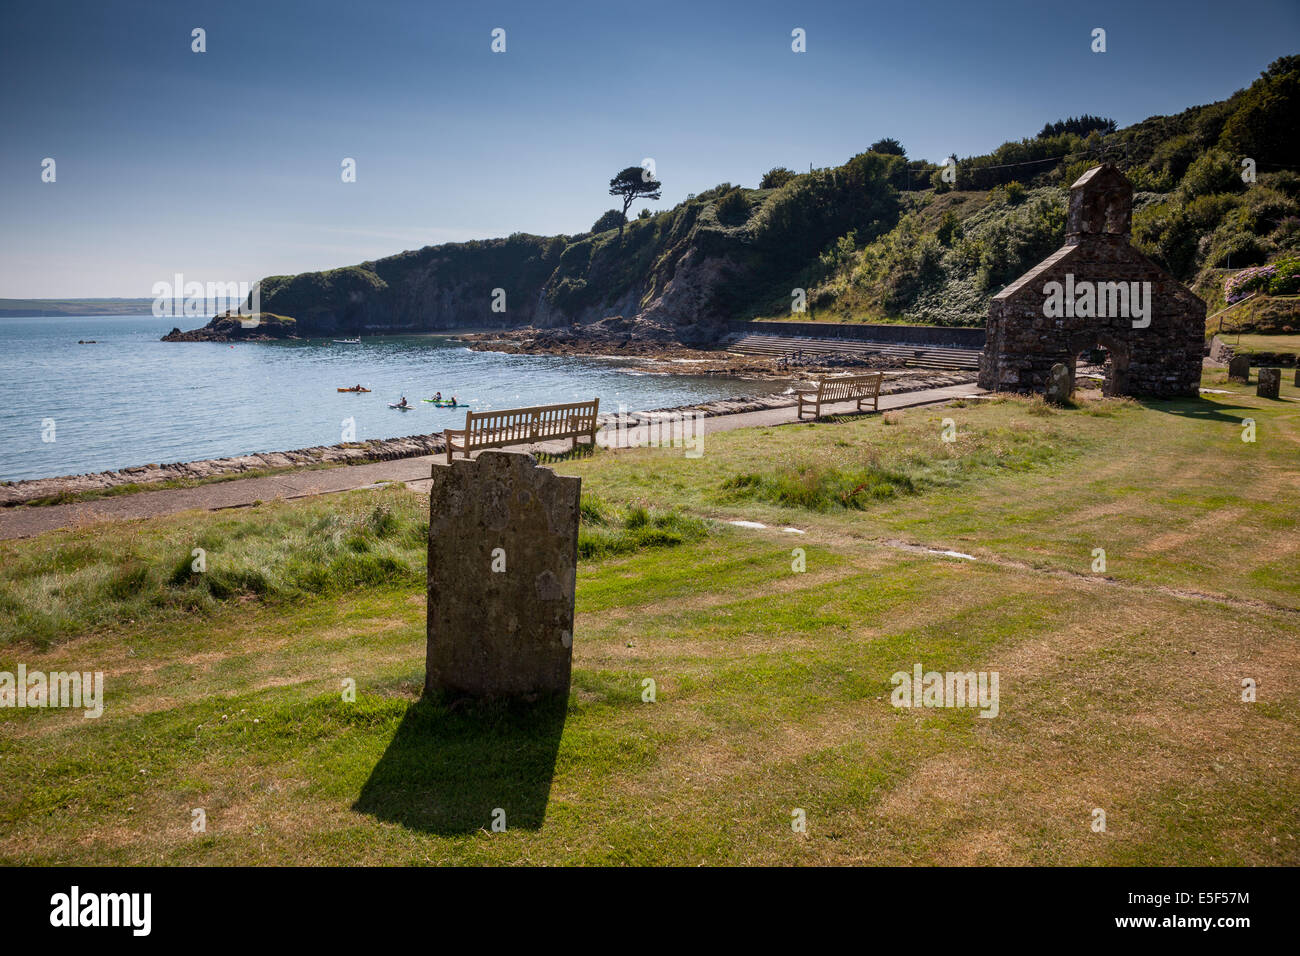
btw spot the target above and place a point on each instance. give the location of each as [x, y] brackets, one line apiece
[1119, 690]
[1246, 342]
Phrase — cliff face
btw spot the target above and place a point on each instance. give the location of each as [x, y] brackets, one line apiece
[663, 269]
[682, 272]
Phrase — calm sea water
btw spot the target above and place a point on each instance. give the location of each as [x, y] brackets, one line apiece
[132, 400]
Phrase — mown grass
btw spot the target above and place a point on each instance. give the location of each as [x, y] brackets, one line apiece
[1168, 490]
[772, 683]
[1264, 343]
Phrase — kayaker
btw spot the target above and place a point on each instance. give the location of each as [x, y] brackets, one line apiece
[454, 403]
[437, 396]
[402, 403]
[356, 388]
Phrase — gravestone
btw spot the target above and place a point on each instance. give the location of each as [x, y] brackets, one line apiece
[1297, 376]
[1270, 381]
[1239, 368]
[1058, 384]
[503, 555]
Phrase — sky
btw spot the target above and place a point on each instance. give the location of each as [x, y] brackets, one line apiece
[226, 165]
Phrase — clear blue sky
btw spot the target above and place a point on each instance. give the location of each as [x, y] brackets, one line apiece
[225, 165]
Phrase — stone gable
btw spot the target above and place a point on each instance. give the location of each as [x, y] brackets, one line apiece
[1097, 290]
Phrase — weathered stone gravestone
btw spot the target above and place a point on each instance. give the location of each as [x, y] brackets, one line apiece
[1297, 376]
[1059, 385]
[503, 555]
[1270, 381]
[1239, 368]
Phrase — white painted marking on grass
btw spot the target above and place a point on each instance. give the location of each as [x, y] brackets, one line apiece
[793, 531]
[953, 554]
[1218, 391]
[747, 524]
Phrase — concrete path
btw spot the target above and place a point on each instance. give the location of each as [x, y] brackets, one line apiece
[25, 522]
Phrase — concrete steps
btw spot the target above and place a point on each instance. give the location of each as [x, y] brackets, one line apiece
[917, 356]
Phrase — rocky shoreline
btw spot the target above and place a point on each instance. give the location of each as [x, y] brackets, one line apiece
[658, 350]
[412, 446]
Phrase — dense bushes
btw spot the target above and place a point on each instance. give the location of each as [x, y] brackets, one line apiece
[775, 178]
[1278, 278]
[809, 212]
[733, 208]
[607, 221]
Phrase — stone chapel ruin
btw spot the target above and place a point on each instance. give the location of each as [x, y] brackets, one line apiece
[1097, 290]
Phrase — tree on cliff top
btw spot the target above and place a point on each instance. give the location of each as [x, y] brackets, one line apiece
[633, 183]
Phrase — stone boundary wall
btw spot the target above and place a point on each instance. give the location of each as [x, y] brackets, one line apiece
[937, 335]
[352, 453]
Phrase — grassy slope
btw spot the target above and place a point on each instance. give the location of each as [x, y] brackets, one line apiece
[1119, 691]
[1264, 343]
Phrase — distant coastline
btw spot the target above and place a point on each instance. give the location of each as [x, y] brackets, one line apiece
[51, 308]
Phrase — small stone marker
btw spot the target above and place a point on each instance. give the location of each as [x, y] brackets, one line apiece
[1270, 381]
[503, 555]
[1297, 376]
[1239, 368]
[1058, 384]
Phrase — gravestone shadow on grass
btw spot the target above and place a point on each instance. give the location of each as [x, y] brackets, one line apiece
[451, 764]
[1198, 408]
[583, 451]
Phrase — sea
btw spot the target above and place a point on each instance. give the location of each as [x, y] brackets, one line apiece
[130, 399]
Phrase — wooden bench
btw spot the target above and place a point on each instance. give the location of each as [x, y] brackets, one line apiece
[844, 389]
[518, 426]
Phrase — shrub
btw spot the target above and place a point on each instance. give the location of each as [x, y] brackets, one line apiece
[1014, 192]
[733, 208]
[1213, 172]
[949, 228]
[775, 178]
[607, 221]
[1286, 277]
[1243, 283]
[1287, 233]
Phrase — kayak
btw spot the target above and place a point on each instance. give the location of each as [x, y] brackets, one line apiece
[354, 389]
[405, 408]
[444, 403]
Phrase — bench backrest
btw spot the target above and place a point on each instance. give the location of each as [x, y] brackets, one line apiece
[518, 425]
[851, 386]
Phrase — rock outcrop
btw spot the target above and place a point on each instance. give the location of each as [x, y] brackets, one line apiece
[229, 327]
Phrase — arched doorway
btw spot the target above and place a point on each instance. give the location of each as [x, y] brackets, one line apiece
[1097, 349]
